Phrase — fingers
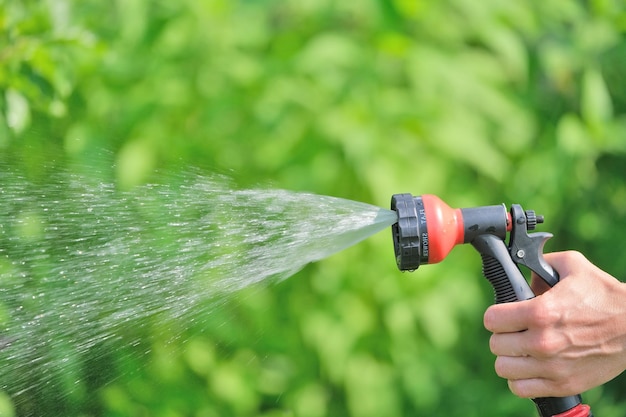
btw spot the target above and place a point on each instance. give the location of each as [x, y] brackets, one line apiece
[534, 388]
[566, 262]
[507, 318]
[517, 367]
[507, 344]
[530, 378]
[521, 374]
[542, 387]
[519, 360]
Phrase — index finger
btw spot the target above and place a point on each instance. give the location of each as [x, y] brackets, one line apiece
[507, 317]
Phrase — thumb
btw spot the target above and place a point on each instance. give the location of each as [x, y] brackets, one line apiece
[561, 262]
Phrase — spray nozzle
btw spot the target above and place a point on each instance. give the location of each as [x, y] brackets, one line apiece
[428, 229]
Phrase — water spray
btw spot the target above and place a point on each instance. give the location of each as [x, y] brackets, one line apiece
[86, 267]
[428, 229]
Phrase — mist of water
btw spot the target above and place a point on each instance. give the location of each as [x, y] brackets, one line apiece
[81, 260]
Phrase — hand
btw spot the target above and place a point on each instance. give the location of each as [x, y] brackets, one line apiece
[568, 339]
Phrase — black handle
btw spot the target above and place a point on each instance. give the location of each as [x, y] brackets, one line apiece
[510, 286]
[507, 280]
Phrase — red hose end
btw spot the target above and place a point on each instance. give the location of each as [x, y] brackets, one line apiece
[581, 410]
[445, 227]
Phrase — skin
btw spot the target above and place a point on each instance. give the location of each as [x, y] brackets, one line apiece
[568, 339]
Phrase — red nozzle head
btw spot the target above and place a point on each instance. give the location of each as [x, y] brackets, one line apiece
[426, 231]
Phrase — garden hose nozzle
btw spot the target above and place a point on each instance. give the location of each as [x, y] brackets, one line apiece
[428, 229]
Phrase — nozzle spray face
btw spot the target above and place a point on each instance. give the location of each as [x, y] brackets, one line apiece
[410, 234]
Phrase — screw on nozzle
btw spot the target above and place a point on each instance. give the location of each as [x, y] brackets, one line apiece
[532, 219]
[407, 232]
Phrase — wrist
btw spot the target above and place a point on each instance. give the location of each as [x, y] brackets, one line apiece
[618, 295]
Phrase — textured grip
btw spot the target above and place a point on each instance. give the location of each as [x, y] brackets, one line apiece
[496, 275]
[508, 282]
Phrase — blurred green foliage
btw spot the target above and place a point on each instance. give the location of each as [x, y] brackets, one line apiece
[478, 102]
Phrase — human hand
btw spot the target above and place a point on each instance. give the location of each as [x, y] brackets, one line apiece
[568, 339]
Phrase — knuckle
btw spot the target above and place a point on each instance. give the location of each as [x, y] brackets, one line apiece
[553, 371]
[545, 313]
[545, 345]
[545, 318]
[568, 260]
[562, 377]
[562, 389]
[568, 387]
[573, 256]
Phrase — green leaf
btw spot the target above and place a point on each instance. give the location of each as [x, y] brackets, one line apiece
[572, 136]
[18, 111]
[595, 102]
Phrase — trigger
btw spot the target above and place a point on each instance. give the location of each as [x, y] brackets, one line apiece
[527, 250]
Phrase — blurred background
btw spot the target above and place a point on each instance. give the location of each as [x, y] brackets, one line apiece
[478, 102]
